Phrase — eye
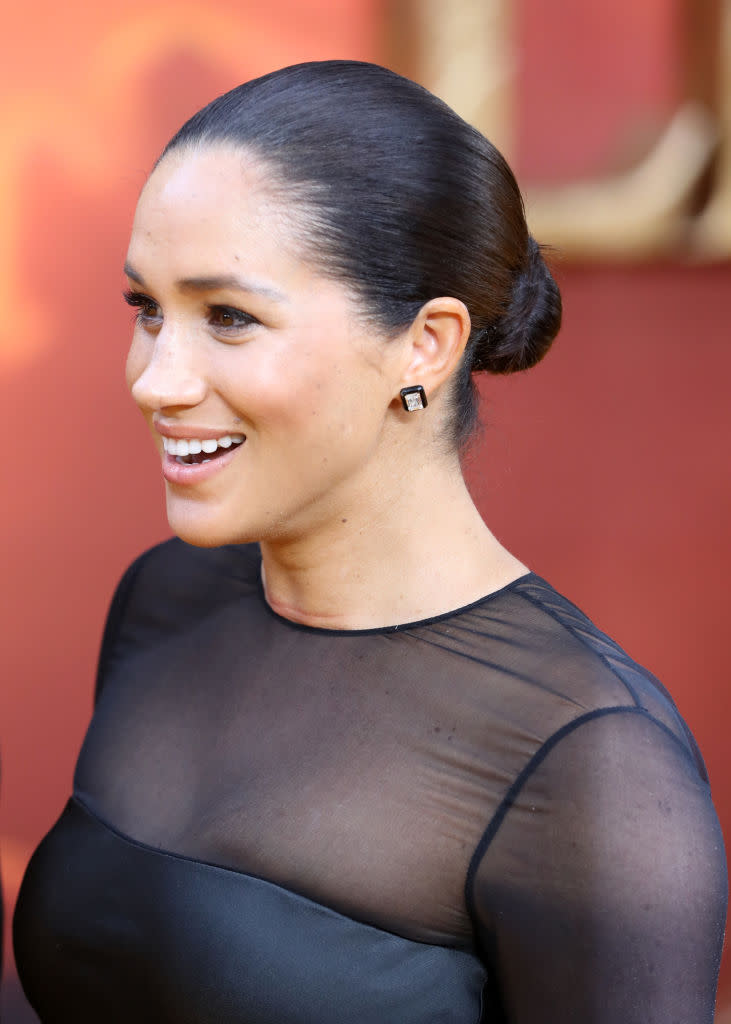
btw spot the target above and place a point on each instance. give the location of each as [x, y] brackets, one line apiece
[148, 310]
[227, 319]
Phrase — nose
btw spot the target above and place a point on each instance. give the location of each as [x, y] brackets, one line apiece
[164, 373]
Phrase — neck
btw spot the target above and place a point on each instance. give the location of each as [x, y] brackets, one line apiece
[423, 553]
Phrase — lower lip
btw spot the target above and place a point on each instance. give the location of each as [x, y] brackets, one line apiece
[187, 476]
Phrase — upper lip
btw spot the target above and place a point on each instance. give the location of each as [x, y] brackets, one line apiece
[185, 431]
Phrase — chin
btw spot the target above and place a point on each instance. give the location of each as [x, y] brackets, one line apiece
[202, 528]
[207, 524]
[200, 537]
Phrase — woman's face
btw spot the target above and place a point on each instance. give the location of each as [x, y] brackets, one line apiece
[239, 341]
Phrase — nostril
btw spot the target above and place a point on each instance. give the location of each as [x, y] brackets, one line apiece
[159, 391]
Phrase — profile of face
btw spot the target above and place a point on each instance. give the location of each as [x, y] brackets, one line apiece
[270, 399]
[283, 223]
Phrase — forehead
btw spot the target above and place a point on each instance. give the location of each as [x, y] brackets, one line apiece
[214, 200]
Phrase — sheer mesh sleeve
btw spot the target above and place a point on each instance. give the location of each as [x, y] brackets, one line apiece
[599, 889]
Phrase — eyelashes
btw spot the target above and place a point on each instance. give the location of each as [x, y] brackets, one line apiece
[143, 304]
[224, 319]
[135, 298]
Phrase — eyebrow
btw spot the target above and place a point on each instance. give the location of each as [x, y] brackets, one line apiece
[213, 283]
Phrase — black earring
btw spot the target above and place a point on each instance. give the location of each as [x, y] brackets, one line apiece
[413, 398]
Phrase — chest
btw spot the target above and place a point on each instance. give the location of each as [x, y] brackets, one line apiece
[344, 770]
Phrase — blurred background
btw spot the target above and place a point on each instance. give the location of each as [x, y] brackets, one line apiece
[606, 468]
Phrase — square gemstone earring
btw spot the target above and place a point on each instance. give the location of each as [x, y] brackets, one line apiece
[413, 398]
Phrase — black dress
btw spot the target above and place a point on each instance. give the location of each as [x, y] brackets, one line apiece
[494, 815]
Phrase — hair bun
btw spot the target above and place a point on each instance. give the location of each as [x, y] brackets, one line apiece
[523, 334]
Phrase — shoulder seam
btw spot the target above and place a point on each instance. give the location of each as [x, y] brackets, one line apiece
[570, 629]
[680, 721]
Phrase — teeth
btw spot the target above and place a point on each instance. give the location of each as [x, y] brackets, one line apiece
[192, 446]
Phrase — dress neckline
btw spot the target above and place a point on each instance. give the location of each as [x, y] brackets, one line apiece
[399, 627]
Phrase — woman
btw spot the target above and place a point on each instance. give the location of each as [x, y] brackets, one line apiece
[351, 761]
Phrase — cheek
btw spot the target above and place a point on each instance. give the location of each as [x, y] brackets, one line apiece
[307, 393]
[275, 393]
[322, 408]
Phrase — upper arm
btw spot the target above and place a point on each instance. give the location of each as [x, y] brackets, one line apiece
[601, 895]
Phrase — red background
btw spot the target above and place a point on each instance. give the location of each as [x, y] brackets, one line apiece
[606, 468]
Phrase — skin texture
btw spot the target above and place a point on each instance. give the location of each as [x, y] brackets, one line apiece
[360, 509]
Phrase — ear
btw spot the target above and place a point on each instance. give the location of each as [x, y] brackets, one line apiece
[436, 341]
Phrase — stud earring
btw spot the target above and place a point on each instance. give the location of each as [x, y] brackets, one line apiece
[413, 398]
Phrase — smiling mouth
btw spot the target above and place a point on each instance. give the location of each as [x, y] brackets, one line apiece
[192, 452]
